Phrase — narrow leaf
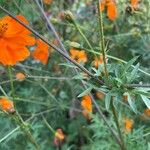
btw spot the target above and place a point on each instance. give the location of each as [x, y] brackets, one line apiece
[134, 73]
[87, 91]
[131, 103]
[107, 100]
[130, 63]
[146, 101]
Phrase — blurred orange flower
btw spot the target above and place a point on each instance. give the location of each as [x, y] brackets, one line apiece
[6, 105]
[134, 3]
[86, 104]
[13, 40]
[100, 95]
[128, 125]
[147, 112]
[97, 61]
[20, 76]
[47, 1]
[41, 52]
[78, 55]
[59, 137]
[111, 8]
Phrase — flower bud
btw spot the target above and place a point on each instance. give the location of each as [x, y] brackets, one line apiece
[7, 105]
[69, 16]
[20, 76]
[59, 137]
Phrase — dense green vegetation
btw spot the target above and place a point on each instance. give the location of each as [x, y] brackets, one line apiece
[95, 94]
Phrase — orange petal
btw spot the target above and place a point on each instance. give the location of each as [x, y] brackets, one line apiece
[10, 56]
[112, 10]
[86, 103]
[47, 1]
[6, 105]
[134, 3]
[41, 53]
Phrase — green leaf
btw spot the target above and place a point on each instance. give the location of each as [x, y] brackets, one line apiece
[87, 91]
[107, 100]
[79, 76]
[68, 65]
[130, 63]
[134, 73]
[146, 101]
[131, 103]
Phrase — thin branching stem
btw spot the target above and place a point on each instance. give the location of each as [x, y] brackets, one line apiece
[18, 119]
[48, 125]
[122, 146]
[50, 26]
[102, 42]
[11, 81]
[83, 35]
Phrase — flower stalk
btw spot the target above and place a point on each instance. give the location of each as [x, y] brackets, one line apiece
[102, 41]
[71, 19]
[102, 44]
[122, 145]
[18, 119]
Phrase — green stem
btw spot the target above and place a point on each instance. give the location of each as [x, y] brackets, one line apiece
[117, 59]
[122, 146]
[102, 42]
[48, 125]
[17, 117]
[83, 35]
[22, 125]
[11, 81]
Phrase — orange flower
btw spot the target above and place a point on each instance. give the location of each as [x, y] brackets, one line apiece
[134, 3]
[7, 105]
[100, 95]
[13, 40]
[111, 10]
[128, 125]
[147, 112]
[59, 137]
[86, 104]
[20, 76]
[41, 52]
[47, 1]
[78, 55]
[97, 61]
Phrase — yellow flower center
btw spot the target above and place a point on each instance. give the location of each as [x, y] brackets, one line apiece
[3, 28]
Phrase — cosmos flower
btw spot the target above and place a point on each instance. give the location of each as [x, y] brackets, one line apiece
[111, 8]
[128, 123]
[13, 40]
[78, 55]
[86, 104]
